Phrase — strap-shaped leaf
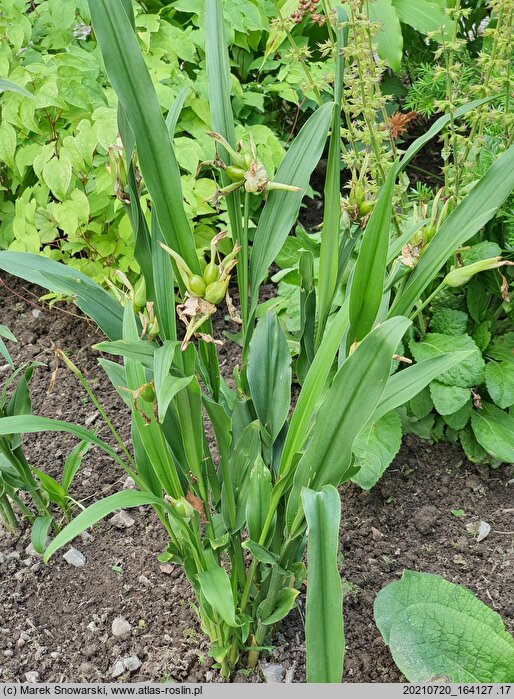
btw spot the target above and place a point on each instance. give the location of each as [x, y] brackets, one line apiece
[354, 394]
[269, 374]
[281, 210]
[131, 80]
[324, 630]
[367, 285]
[96, 512]
[216, 588]
[89, 296]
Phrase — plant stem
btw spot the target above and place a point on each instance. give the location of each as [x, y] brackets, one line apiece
[427, 301]
[7, 513]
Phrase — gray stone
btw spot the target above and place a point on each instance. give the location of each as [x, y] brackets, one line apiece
[32, 676]
[272, 672]
[132, 663]
[129, 483]
[120, 627]
[75, 558]
[122, 520]
[118, 669]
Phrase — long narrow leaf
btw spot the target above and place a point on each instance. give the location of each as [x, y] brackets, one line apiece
[96, 512]
[329, 252]
[355, 392]
[89, 296]
[367, 285]
[324, 629]
[25, 424]
[131, 80]
[281, 210]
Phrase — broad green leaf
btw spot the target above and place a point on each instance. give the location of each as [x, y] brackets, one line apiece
[447, 398]
[269, 374]
[312, 389]
[94, 513]
[502, 348]
[421, 404]
[260, 552]
[131, 80]
[499, 379]
[57, 175]
[324, 631]
[284, 602]
[216, 588]
[475, 210]
[374, 449]
[474, 452]
[367, 286]
[281, 209]
[459, 419]
[423, 16]
[389, 39]
[4, 352]
[434, 627]
[449, 321]
[90, 297]
[355, 393]
[469, 372]
[7, 143]
[493, 429]
[39, 532]
[259, 498]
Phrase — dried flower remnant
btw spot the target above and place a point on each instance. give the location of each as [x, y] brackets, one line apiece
[398, 123]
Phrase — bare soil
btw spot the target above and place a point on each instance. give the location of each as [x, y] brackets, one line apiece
[56, 619]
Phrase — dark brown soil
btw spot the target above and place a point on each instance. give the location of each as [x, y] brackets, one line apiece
[56, 619]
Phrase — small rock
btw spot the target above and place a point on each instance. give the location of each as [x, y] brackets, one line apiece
[120, 627]
[12, 556]
[166, 568]
[122, 520]
[86, 537]
[272, 673]
[129, 483]
[92, 627]
[32, 676]
[118, 669]
[459, 560]
[132, 663]
[75, 558]
[144, 581]
[55, 655]
[30, 550]
[376, 534]
[91, 418]
[36, 312]
[479, 529]
[425, 518]
[511, 482]
[208, 676]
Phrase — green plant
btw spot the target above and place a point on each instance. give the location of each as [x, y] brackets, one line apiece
[277, 468]
[17, 476]
[435, 628]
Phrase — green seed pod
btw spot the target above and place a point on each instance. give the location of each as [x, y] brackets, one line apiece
[183, 508]
[236, 174]
[147, 392]
[365, 207]
[248, 160]
[139, 300]
[215, 292]
[211, 273]
[196, 285]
